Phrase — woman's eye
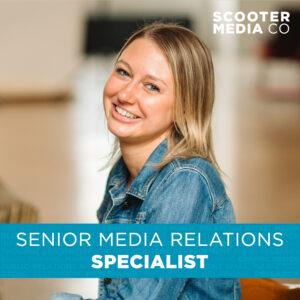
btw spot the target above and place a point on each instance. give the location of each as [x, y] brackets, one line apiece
[122, 72]
[152, 87]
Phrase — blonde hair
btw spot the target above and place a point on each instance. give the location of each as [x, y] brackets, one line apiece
[193, 73]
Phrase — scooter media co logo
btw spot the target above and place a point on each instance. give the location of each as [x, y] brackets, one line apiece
[277, 22]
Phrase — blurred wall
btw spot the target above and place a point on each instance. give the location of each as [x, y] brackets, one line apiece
[198, 10]
[42, 40]
[40, 44]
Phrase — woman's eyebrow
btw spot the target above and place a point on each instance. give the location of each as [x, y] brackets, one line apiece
[155, 79]
[146, 76]
[125, 63]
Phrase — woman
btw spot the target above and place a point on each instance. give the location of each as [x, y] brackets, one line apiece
[158, 103]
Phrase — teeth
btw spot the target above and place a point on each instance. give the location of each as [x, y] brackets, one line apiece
[125, 113]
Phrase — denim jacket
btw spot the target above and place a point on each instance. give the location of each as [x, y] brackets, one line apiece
[184, 191]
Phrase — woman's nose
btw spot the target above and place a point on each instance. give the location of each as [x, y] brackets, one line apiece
[128, 93]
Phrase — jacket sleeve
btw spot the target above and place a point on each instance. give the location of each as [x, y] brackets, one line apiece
[138, 289]
[65, 296]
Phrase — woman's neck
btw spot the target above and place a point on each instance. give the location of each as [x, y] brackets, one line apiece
[136, 155]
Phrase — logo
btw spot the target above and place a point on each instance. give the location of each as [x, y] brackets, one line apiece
[274, 22]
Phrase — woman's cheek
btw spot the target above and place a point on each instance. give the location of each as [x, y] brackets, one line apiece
[150, 106]
[106, 109]
[108, 88]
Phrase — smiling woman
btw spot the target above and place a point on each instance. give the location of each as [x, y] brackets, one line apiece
[158, 103]
[139, 95]
[139, 101]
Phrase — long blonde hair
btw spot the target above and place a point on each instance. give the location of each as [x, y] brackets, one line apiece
[193, 74]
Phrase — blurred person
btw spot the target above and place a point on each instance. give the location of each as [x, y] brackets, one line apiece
[158, 103]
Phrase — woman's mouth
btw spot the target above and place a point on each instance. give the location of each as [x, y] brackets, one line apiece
[123, 115]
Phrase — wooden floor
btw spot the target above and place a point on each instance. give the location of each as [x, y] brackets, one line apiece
[50, 154]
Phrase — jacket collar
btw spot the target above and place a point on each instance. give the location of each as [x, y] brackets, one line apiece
[140, 186]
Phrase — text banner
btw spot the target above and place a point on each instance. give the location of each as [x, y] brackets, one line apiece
[149, 250]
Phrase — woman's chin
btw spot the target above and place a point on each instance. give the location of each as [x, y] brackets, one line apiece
[120, 134]
[127, 137]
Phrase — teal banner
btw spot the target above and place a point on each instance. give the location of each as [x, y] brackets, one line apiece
[150, 250]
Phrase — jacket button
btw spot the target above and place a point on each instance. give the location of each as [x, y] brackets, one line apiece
[125, 205]
[107, 280]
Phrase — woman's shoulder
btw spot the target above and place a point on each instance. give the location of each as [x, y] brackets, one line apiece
[203, 167]
[196, 163]
[199, 170]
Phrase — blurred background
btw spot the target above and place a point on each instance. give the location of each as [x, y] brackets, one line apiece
[55, 56]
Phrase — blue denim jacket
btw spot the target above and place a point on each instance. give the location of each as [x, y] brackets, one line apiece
[184, 191]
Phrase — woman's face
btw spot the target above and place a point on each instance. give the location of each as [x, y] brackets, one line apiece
[139, 94]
